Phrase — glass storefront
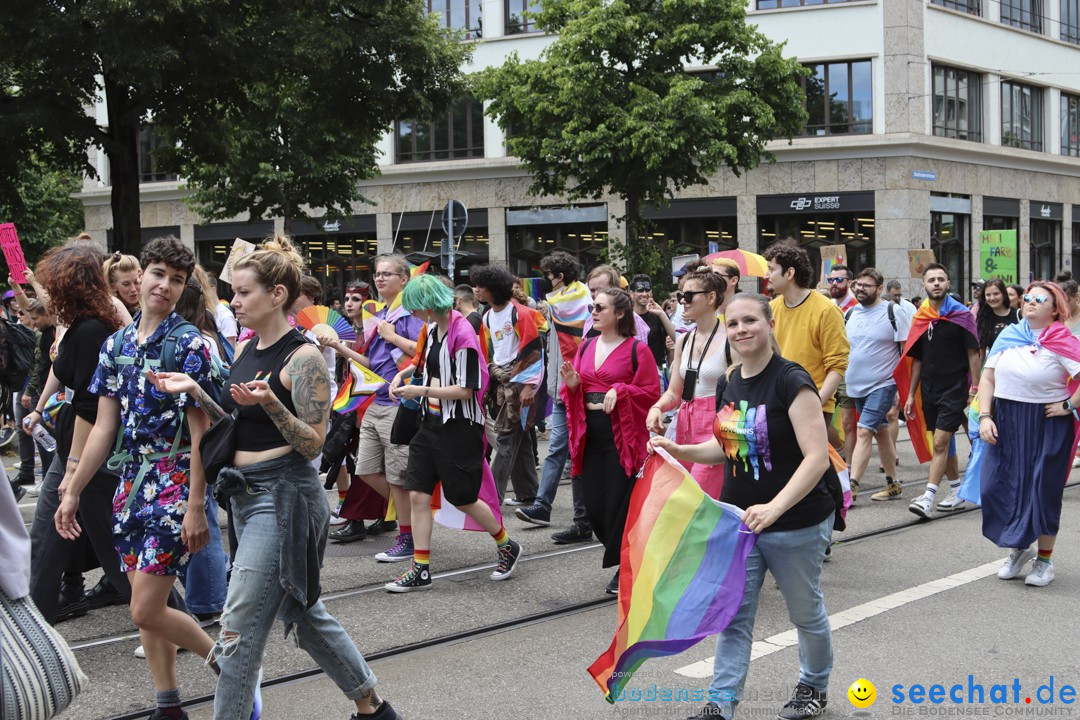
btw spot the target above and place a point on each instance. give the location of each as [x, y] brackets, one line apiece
[949, 234]
[419, 237]
[337, 251]
[1045, 239]
[532, 233]
[693, 226]
[815, 220]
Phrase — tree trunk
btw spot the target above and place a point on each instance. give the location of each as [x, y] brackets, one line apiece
[633, 228]
[122, 149]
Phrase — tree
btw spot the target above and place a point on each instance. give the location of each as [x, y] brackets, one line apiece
[42, 207]
[304, 133]
[610, 108]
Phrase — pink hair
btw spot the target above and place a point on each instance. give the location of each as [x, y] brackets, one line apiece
[1061, 304]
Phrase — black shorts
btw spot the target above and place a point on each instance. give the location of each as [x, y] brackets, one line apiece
[451, 453]
[944, 404]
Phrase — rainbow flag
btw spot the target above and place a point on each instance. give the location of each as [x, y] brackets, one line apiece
[533, 287]
[369, 323]
[925, 318]
[569, 309]
[683, 566]
[357, 389]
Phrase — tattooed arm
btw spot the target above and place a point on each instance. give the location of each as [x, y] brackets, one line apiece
[310, 380]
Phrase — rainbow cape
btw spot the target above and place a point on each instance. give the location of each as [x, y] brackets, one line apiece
[925, 318]
[569, 310]
[683, 571]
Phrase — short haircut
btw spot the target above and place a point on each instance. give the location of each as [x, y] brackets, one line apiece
[35, 306]
[787, 254]
[427, 292]
[496, 280]
[170, 251]
[560, 262]
[842, 268]
[612, 273]
[936, 266]
[892, 285]
[870, 272]
[640, 278]
[312, 288]
[464, 293]
[727, 264]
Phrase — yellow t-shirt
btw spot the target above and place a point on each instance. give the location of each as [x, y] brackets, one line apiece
[813, 335]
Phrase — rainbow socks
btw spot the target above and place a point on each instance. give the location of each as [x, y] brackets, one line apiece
[501, 538]
[422, 557]
[1044, 555]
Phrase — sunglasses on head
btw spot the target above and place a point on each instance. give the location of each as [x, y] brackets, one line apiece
[836, 281]
[597, 308]
[1037, 299]
[687, 296]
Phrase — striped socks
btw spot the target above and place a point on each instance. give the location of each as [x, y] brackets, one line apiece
[1044, 555]
[341, 495]
[501, 538]
[422, 557]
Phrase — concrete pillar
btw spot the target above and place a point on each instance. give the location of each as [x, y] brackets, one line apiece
[746, 219]
[187, 236]
[1023, 242]
[616, 208]
[902, 224]
[498, 252]
[976, 229]
[384, 232]
[906, 70]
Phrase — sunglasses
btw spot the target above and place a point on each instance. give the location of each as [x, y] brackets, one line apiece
[597, 308]
[687, 296]
[641, 287]
[836, 281]
[1037, 299]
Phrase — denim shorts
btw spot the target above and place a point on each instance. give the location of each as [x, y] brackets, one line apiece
[874, 408]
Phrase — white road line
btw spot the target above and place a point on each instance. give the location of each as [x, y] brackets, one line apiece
[788, 638]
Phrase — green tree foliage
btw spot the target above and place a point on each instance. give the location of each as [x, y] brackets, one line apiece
[41, 206]
[609, 107]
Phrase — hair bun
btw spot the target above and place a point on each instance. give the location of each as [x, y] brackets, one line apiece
[282, 245]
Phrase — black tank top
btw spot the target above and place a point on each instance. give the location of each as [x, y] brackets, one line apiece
[255, 430]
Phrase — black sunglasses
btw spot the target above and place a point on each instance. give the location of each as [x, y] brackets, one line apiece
[597, 308]
[687, 296]
[642, 287]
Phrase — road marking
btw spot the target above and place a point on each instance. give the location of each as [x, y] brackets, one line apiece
[789, 638]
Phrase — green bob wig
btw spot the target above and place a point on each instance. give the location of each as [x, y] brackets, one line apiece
[427, 292]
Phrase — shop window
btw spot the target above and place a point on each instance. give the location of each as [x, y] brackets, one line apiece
[1070, 21]
[1045, 238]
[839, 99]
[1070, 125]
[528, 243]
[971, 7]
[948, 239]
[1023, 14]
[149, 168]
[1021, 116]
[457, 134]
[518, 17]
[464, 15]
[957, 104]
[774, 4]
[855, 232]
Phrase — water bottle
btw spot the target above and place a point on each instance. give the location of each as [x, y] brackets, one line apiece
[42, 436]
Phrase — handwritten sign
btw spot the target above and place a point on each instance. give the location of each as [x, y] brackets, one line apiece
[13, 254]
[918, 260]
[831, 255]
[240, 250]
[997, 255]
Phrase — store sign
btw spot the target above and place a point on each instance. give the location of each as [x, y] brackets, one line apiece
[332, 226]
[814, 203]
[924, 175]
[997, 255]
[1046, 210]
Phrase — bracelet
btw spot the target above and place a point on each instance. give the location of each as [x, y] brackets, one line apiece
[73, 460]
[20, 292]
[983, 416]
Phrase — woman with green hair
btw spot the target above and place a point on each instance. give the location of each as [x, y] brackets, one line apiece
[449, 445]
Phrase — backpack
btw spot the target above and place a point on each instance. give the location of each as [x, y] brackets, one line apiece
[19, 356]
[892, 314]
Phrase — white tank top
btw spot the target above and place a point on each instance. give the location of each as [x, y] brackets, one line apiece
[712, 367]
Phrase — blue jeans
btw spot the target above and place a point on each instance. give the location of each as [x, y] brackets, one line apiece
[558, 454]
[874, 408]
[794, 558]
[204, 575]
[255, 595]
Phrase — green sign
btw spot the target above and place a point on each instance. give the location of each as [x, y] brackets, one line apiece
[997, 255]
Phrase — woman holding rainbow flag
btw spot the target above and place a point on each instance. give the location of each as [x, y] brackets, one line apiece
[1028, 395]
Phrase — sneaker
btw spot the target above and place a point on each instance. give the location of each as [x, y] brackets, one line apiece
[951, 502]
[35, 489]
[140, 652]
[828, 553]
[19, 490]
[400, 551]
[536, 514]
[517, 502]
[418, 577]
[509, 554]
[574, 534]
[335, 514]
[382, 526]
[854, 491]
[384, 712]
[256, 708]
[613, 585]
[1076, 461]
[1042, 573]
[1018, 558]
[922, 506]
[711, 711]
[805, 702]
[891, 491]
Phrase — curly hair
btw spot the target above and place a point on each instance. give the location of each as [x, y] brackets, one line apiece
[73, 277]
[496, 280]
[170, 251]
[560, 262]
[787, 254]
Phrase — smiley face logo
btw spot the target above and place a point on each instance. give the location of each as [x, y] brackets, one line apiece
[862, 693]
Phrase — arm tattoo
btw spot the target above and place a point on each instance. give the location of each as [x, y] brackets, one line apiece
[311, 398]
[211, 408]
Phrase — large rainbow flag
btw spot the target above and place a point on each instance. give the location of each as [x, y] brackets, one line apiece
[683, 571]
[569, 309]
[954, 311]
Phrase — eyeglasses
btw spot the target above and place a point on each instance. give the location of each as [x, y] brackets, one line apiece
[597, 308]
[687, 296]
[386, 275]
[836, 281]
[1037, 299]
[864, 286]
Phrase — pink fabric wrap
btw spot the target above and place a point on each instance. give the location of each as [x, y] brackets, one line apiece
[693, 425]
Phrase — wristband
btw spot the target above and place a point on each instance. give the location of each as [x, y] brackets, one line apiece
[20, 292]
[983, 416]
[73, 460]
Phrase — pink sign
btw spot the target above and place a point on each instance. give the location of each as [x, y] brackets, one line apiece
[9, 242]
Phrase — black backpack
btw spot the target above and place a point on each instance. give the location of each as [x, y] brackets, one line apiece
[19, 357]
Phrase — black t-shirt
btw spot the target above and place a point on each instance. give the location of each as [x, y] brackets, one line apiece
[75, 365]
[657, 337]
[996, 325]
[760, 443]
[943, 352]
[45, 341]
[475, 320]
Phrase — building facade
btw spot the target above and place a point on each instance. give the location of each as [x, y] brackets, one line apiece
[930, 121]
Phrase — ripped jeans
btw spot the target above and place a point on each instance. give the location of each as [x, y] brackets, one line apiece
[255, 595]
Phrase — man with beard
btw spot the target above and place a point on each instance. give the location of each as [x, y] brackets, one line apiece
[876, 332]
[839, 282]
[840, 288]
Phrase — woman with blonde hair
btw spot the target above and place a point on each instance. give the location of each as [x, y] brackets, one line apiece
[124, 276]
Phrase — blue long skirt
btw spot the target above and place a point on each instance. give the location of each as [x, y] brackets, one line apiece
[1024, 474]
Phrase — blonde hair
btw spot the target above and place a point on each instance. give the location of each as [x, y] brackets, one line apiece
[116, 263]
[209, 296]
[276, 262]
[612, 273]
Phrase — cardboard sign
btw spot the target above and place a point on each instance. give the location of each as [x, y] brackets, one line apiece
[13, 254]
[918, 260]
[997, 255]
[240, 249]
[831, 255]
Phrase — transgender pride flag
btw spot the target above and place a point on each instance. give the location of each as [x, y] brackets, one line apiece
[683, 571]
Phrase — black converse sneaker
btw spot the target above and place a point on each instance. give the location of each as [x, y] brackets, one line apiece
[805, 702]
[418, 577]
[508, 559]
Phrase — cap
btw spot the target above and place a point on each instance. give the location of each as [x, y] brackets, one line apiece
[10, 294]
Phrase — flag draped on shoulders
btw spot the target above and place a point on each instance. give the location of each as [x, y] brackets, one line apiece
[683, 571]
[526, 369]
[1057, 339]
[569, 310]
[954, 311]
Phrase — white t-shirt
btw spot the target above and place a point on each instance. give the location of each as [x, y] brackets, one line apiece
[907, 308]
[226, 322]
[874, 348]
[1034, 377]
[501, 325]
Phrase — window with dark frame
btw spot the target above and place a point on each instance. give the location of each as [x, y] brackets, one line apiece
[456, 135]
[957, 103]
[1023, 14]
[464, 15]
[774, 4]
[518, 19]
[149, 143]
[1070, 21]
[971, 7]
[1070, 125]
[1021, 116]
[839, 98]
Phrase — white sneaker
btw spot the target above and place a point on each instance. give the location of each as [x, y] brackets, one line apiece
[1076, 461]
[1041, 575]
[951, 502]
[1018, 558]
[922, 506]
[140, 653]
[35, 490]
[335, 515]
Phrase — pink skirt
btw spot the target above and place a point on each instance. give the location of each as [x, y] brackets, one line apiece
[693, 425]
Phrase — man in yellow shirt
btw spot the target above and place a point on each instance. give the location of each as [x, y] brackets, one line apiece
[809, 326]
